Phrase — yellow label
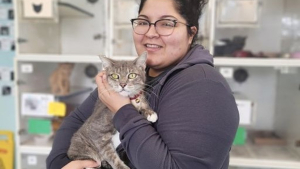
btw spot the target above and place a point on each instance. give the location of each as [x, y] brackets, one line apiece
[6, 150]
[57, 109]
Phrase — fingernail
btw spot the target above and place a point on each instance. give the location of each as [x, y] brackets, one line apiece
[104, 76]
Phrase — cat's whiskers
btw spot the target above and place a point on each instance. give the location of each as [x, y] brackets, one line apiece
[145, 85]
[150, 92]
[148, 85]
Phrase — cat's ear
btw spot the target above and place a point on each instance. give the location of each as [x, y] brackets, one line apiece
[106, 62]
[141, 60]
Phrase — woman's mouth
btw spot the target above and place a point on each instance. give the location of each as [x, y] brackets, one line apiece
[152, 47]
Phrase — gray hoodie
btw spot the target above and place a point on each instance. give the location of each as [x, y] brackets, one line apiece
[197, 121]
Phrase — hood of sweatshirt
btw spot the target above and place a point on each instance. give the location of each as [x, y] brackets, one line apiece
[197, 55]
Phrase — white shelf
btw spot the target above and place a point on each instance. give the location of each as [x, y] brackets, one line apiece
[256, 62]
[57, 58]
[74, 91]
[261, 163]
[33, 149]
[29, 146]
[264, 157]
[218, 61]
[65, 58]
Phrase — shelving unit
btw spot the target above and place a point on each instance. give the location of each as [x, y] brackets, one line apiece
[30, 145]
[256, 62]
[101, 30]
[273, 83]
[258, 156]
[78, 32]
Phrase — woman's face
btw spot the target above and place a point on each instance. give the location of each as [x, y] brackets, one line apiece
[163, 51]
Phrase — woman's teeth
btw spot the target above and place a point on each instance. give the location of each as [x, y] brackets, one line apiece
[152, 46]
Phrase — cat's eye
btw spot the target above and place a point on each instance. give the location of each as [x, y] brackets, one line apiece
[132, 75]
[114, 76]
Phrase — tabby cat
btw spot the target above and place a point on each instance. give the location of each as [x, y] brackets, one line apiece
[93, 141]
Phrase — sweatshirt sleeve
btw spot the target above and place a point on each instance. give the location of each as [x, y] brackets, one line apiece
[197, 122]
[58, 155]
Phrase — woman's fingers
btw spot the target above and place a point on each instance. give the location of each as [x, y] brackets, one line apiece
[90, 164]
[103, 87]
[81, 164]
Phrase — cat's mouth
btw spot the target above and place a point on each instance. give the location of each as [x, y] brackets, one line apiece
[124, 93]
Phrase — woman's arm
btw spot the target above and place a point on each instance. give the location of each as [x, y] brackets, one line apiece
[58, 155]
[195, 129]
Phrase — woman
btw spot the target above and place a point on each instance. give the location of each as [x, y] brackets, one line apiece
[197, 114]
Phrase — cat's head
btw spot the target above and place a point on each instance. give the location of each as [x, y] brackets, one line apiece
[66, 67]
[126, 77]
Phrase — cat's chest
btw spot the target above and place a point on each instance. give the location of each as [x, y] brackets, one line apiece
[116, 139]
[136, 102]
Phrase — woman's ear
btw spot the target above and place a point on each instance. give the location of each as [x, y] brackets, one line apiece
[194, 31]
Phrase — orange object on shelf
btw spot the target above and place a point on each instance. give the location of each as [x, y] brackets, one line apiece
[6, 150]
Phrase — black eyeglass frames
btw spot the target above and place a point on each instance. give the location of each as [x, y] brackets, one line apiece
[163, 27]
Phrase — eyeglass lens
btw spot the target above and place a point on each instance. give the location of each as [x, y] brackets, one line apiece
[163, 27]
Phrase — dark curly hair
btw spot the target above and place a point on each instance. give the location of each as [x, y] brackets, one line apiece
[190, 10]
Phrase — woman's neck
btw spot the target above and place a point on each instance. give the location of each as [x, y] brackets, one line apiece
[154, 72]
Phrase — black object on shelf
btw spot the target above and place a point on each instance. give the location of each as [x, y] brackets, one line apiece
[228, 46]
[92, 1]
[240, 75]
[91, 71]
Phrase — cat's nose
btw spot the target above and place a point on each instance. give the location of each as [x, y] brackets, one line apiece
[122, 85]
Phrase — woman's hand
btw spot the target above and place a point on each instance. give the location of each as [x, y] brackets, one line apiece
[81, 164]
[113, 100]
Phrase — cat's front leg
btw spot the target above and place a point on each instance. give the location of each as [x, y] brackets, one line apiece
[142, 105]
[150, 115]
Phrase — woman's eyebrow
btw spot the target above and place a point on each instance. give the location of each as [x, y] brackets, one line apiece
[144, 16]
[167, 16]
[162, 17]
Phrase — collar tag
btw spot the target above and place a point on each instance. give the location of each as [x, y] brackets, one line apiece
[136, 96]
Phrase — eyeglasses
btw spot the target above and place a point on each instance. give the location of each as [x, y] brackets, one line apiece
[163, 27]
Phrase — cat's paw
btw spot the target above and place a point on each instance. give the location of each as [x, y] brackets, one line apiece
[152, 117]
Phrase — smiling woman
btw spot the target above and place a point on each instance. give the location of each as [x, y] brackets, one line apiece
[197, 113]
[165, 46]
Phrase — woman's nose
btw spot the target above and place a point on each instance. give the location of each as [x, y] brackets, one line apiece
[152, 32]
